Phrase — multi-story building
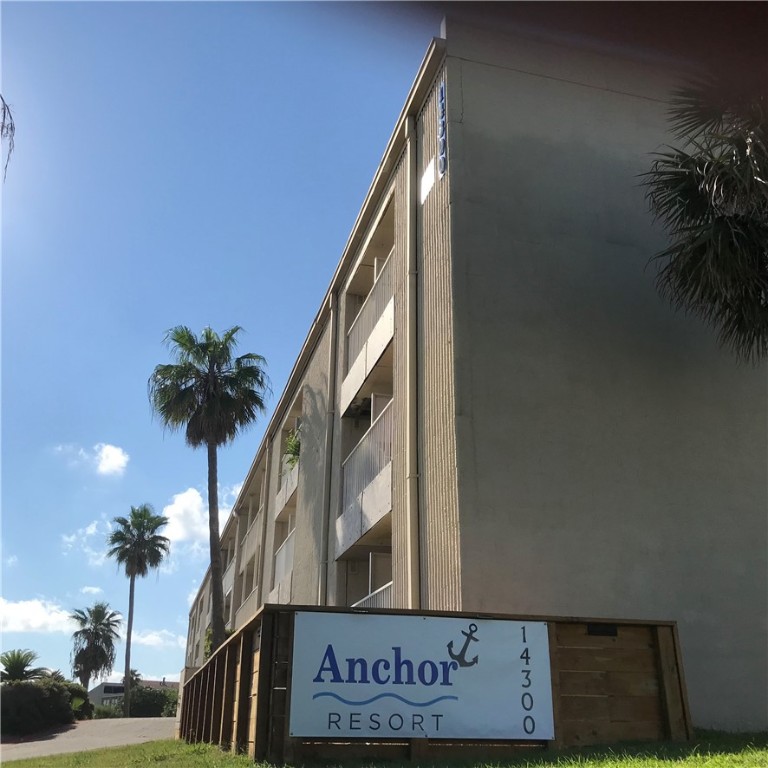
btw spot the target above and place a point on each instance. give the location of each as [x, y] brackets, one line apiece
[111, 694]
[496, 412]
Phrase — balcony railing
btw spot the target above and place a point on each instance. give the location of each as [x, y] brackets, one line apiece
[251, 540]
[228, 579]
[247, 609]
[381, 598]
[369, 314]
[289, 482]
[369, 457]
[284, 558]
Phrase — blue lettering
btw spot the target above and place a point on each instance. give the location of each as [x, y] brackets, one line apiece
[377, 678]
[433, 673]
[447, 667]
[329, 664]
[401, 663]
[398, 670]
[351, 664]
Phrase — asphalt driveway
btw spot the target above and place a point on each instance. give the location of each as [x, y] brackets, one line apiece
[89, 734]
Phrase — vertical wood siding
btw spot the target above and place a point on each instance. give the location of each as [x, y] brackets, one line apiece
[438, 503]
[399, 269]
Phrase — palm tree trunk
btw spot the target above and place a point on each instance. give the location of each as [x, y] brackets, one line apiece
[217, 591]
[128, 631]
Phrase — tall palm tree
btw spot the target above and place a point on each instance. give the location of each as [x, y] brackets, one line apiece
[136, 544]
[7, 131]
[17, 665]
[93, 654]
[213, 395]
[711, 195]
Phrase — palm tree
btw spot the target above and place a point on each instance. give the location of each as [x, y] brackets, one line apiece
[17, 665]
[711, 195]
[93, 654]
[213, 396]
[135, 678]
[7, 131]
[56, 675]
[136, 544]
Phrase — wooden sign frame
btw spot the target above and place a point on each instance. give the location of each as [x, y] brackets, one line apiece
[612, 681]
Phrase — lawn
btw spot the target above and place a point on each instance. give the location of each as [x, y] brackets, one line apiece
[710, 749]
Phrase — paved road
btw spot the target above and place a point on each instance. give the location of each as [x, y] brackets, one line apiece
[90, 734]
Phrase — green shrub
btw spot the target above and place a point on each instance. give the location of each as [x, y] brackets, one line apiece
[293, 447]
[148, 702]
[171, 702]
[26, 707]
[153, 702]
[105, 712]
[79, 701]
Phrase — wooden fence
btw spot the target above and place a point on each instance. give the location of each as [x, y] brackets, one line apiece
[612, 681]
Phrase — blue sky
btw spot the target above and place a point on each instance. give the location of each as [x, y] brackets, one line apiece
[175, 163]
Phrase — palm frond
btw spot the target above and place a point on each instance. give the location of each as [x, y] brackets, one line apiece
[17, 665]
[208, 391]
[93, 652]
[135, 542]
[711, 197]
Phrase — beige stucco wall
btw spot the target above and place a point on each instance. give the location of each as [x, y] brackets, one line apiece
[612, 460]
[308, 556]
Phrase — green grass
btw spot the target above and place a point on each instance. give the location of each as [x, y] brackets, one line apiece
[709, 750]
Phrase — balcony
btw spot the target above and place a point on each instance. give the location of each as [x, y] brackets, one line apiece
[247, 609]
[367, 482]
[289, 478]
[370, 333]
[284, 560]
[381, 598]
[228, 579]
[251, 540]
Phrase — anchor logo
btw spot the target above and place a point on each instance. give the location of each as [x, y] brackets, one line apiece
[461, 656]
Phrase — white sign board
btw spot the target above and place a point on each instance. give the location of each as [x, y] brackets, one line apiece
[388, 676]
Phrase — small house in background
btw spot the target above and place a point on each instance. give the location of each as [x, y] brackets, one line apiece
[111, 694]
[496, 411]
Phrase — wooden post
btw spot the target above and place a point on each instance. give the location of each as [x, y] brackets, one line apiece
[554, 664]
[243, 691]
[671, 690]
[217, 696]
[261, 694]
[196, 713]
[228, 696]
[206, 688]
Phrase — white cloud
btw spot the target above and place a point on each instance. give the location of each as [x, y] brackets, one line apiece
[104, 458]
[110, 459]
[159, 638]
[34, 616]
[188, 513]
[82, 540]
[91, 590]
[11, 560]
[117, 677]
[187, 517]
[227, 497]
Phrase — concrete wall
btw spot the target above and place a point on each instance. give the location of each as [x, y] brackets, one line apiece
[312, 469]
[612, 461]
[313, 395]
